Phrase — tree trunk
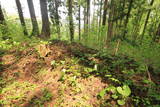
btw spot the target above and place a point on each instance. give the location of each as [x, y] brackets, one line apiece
[123, 13]
[57, 18]
[45, 33]
[84, 20]
[35, 30]
[136, 28]
[104, 12]
[79, 22]
[1, 16]
[71, 27]
[20, 12]
[52, 11]
[158, 31]
[110, 24]
[127, 18]
[156, 37]
[146, 21]
[88, 16]
[93, 17]
[4, 28]
[100, 16]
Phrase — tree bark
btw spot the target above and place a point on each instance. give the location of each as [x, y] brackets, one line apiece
[35, 30]
[20, 12]
[57, 18]
[45, 33]
[110, 24]
[85, 18]
[71, 26]
[100, 16]
[94, 17]
[156, 37]
[1, 16]
[146, 21]
[88, 16]
[52, 11]
[122, 13]
[158, 31]
[104, 12]
[4, 28]
[79, 22]
[127, 18]
[136, 28]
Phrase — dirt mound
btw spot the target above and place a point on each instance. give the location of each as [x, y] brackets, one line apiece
[62, 74]
[33, 66]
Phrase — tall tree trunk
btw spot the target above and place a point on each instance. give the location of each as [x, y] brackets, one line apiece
[4, 28]
[51, 7]
[110, 24]
[123, 8]
[97, 21]
[158, 31]
[100, 15]
[104, 12]
[127, 17]
[136, 28]
[88, 16]
[35, 30]
[1, 16]
[20, 12]
[156, 37]
[79, 22]
[57, 18]
[93, 17]
[146, 21]
[85, 19]
[45, 33]
[71, 27]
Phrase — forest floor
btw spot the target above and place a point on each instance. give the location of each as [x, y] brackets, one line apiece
[60, 74]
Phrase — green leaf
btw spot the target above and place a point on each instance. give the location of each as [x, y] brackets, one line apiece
[121, 102]
[102, 93]
[125, 90]
[114, 96]
[53, 62]
[111, 88]
[108, 75]
[115, 80]
[62, 62]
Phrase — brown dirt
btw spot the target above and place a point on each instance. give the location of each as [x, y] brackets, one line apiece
[23, 65]
[87, 95]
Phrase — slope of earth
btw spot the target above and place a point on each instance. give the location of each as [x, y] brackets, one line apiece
[60, 74]
[46, 75]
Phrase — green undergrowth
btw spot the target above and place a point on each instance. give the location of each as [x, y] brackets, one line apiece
[39, 100]
[122, 70]
[70, 75]
[16, 93]
[126, 73]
